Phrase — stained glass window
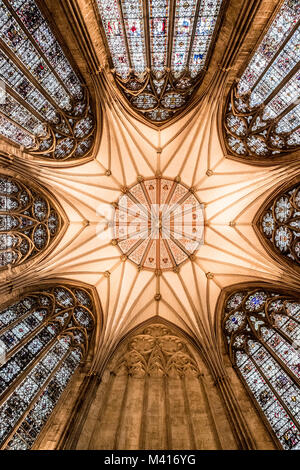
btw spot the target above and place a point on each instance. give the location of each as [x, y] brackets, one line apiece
[262, 331]
[262, 111]
[29, 221]
[158, 62]
[45, 336]
[45, 107]
[279, 224]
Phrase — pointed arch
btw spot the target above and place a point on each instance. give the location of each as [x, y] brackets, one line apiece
[156, 381]
[159, 51]
[45, 106]
[31, 220]
[45, 333]
[277, 224]
[261, 119]
[261, 325]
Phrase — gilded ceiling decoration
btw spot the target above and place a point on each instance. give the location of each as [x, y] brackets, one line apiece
[44, 105]
[262, 329]
[46, 335]
[29, 221]
[159, 50]
[262, 115]
[279, 223]
[158, 224]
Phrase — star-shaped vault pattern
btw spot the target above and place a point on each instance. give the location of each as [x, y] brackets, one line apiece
[189, 150]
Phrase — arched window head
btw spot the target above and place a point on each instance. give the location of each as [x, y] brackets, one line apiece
[30, 221]
[159, 50]
[261, 327]
[262, 115]
[278, 225]
[44, 105]
[43, 336]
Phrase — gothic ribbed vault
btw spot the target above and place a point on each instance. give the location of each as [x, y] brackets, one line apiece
[131, 162]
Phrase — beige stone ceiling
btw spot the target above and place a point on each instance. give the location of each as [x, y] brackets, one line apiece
[232, 193]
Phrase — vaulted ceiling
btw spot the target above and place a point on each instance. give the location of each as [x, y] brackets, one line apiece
[120, 148]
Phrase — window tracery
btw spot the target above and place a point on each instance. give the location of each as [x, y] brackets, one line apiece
[45, 335]
[278, 222]
[160, 50]
[45, 107]
[29, 222]
[262, 110]
[262, 331]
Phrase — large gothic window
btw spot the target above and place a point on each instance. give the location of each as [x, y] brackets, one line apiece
[44, 336]
[45, 106]
[262, 115]
[262, 331]
[159, 50]
[278, 224]
[29, 221]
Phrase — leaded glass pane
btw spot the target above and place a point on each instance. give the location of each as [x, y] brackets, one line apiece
[279, 224]
[44, 100]
[157, 63]
[29, 222]
[262, 108]
[61, 319]
[262, 331]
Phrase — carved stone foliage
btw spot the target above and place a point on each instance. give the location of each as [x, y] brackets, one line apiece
[278, 224]
[44, 336]
[29, 221]
[157, 351]
[262, 330]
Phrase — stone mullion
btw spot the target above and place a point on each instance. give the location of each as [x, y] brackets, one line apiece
[258, 409]
[282, 115]
[25, 340]
[283, 44]
[172, 9]
[280, 86]
[33, 402]
[284, 366]
[36, 46]
[125, 34]
[292, 417]
[34, 137]
[24, 103]
[28, 75]
[282, 333]
[276, 358]
[147, 32]
[32, 334]
[22, 318]
[26, 371]
[193, 33]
